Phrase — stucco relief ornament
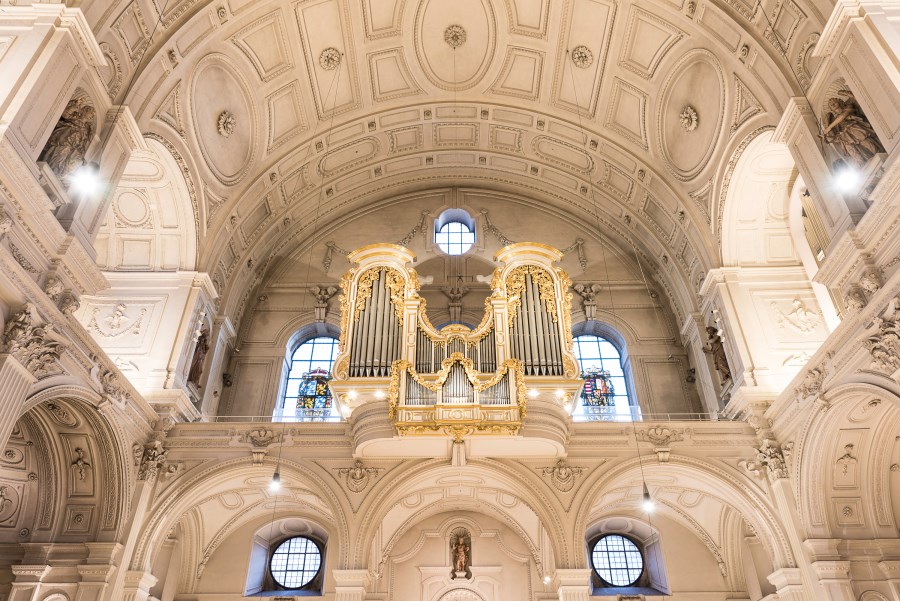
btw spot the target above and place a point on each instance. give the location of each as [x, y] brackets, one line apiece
[855, 299]
[562, 475]
[53, 288]
[81, 466]
[588, 292]
[111, 386]
[582, 57]
[799, 319]
[455, 36]
[330, 58]
[884, 345]
[6, 223]
[688, 118]
[226, 124]
[811, 385]
[357, 478]
[31, 344]
[769, 456]
[846, 459]
[153, 460]
[117, 323]
[322, 295]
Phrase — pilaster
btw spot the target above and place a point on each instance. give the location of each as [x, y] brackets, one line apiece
[350, 585]
[573, 584]
[15, 380]
[137, 586]
[789, 585]
[835, 579]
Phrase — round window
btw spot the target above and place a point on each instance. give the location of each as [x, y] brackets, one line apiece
[617, 560]
[455, 238]
[296, 562]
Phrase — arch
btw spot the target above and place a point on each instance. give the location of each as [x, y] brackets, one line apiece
[845, 492]
[460, 594]
[78, 470]
[153, 213]
[692, 474]
[432, 487]
[757, 231]
[241, 474]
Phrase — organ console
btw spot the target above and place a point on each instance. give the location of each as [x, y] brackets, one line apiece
[456, 382]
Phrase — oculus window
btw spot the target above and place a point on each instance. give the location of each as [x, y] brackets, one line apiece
[454, 232]
[617, 560]
[605, 389]
[296, 562]
[307, 393]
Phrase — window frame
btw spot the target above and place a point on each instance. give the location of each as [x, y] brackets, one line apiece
[641, 551]
[613, 338]
[312, 584]
[281, 409]
[462, 217]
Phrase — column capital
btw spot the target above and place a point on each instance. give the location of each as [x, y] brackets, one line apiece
[832, 570]
[785, 578]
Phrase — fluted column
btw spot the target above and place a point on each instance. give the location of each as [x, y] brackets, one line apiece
[574, 585]
[350, 585]
[14, 383]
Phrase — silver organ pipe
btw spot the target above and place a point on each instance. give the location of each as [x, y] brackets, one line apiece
[535, 336]
[457, 389]
[376, 334]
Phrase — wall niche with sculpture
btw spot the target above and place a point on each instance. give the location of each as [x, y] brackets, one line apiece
[64, 156]
[852, 146]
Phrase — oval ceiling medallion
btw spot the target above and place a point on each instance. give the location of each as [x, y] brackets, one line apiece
[690, 114]
[224, 119]
[455, 41]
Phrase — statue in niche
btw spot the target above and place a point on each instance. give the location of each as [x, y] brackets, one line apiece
[716, 348]
[200, 351]
[461, 553]
[849, 132]
[65, 149]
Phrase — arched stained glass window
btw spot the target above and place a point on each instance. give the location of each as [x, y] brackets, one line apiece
[605, 387]
[307, 394]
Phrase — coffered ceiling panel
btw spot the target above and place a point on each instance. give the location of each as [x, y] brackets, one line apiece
[330, 61]
[520, 75]
[528, 17]
[390, 76]
[266, 45]
[382, 17]
[455, 41]
[647, 40]
[581, 54]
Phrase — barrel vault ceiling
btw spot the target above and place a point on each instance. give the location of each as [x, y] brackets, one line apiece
[629, 115]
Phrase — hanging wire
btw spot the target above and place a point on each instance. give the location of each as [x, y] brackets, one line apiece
[612, 305]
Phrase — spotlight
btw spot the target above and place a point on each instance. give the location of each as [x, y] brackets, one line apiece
[275, 484]
[847, 179]
[85, 181]
[379, 394]
[352, 395]
[560, 394]
[533, 393]
[547, 579]
[648, 503]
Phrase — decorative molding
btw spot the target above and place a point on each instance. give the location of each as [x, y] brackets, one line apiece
[330, 59]
[455, 36]
[33, 345]
[225, 124]
[357, 478]
[562, 475]
[769, 456]
[582, 57]
[688, 118]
